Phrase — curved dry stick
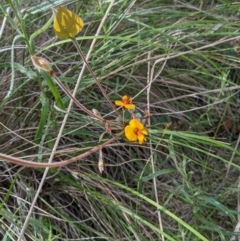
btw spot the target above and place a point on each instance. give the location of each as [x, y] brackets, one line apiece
[22, 162]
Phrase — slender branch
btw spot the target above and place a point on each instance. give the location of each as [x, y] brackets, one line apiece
[94, 76]
[82, 107]
[22, 162]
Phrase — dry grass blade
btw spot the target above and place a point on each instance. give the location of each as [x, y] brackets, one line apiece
[61, 130]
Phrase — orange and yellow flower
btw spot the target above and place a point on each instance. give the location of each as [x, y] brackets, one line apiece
[135, 130]
[126, 103]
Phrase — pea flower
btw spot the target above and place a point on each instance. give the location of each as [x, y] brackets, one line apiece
[135, 131]
[66, 24]
[126, 103]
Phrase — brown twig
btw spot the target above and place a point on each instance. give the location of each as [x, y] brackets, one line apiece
[22, 162]
[82, 107]
[95, 77]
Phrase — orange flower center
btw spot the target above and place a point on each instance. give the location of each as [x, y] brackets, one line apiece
[137, 132]
[127, 101]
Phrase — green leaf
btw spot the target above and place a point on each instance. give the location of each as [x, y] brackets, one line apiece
[43, 117]
[156, 174]
[54, 90]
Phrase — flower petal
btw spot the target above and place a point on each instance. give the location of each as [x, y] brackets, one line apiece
[119, 103]
[141, 139]
[144, 131]
[130, 134]
[130, 106]
[67, 24]
[136, 124]
[125, 97]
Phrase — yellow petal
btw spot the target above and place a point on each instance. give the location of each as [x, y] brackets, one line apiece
[141, 139]
[144, 131]
[119, 103]
[130, 106]
[129, 133]
[136, 124]
[125, 97]
[67, 24]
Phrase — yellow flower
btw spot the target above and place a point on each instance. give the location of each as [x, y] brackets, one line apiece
[125, 103]
[135, 131]
[66, 24]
